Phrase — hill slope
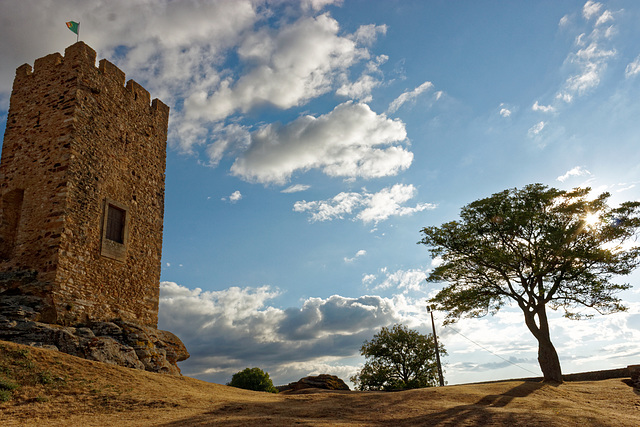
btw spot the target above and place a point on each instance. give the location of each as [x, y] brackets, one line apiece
[45, 387]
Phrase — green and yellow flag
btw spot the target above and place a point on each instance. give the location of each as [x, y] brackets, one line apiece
[73, 26]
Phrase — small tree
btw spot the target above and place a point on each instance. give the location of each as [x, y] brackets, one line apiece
[540, 247]
[252, 379]
[397, 359]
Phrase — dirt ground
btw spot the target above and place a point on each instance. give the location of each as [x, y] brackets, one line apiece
[48, 388]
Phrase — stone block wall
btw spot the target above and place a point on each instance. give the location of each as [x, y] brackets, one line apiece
[81, 145]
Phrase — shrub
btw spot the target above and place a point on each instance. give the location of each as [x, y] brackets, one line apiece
[252, 379]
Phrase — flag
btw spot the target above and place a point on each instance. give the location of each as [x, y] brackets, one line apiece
[73, 26]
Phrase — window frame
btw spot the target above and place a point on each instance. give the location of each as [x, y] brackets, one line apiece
[112, 248]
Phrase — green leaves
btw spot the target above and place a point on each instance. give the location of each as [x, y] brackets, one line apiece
[252, 379]
[398, 358]
[535, 245]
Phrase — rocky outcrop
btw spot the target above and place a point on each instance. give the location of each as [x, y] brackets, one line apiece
[323, 381]
[118, 342]
[24, 320]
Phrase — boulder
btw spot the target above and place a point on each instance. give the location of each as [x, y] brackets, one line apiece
[323, 381]
[118, 342]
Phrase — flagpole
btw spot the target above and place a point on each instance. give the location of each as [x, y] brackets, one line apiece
[78, 33]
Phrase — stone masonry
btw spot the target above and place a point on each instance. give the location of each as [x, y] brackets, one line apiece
[82, 192]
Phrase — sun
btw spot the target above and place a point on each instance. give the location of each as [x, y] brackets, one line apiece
[591, 219]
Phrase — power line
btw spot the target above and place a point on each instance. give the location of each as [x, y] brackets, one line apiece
[486, 349]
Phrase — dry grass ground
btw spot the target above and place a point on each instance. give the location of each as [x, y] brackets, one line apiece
[49, 388]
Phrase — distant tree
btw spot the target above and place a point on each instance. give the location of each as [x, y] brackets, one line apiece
[398, 359]
[252, 379]
[540, 247]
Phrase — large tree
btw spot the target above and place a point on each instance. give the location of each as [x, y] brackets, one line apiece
[538, 247]
[398, 358]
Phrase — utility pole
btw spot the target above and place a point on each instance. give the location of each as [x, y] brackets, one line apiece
[435, 339]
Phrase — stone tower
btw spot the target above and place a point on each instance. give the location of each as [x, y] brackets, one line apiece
[82, 192]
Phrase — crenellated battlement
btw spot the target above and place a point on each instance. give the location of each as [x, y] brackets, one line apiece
[82, 57]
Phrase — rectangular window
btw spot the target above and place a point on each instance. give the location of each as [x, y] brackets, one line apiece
[115, 224]
[115, 230]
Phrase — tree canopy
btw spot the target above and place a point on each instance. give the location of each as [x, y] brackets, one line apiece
[538, 247]
[398, 358]
[252, 379]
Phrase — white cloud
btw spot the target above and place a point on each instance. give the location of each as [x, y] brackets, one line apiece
[319, 4]
[229, 138]
[358, 254]
[350, 141]
[633, 68]
[536, 129]
[367, 34]
[591, 9]
[234, 197]
[543, 108]
[388, 202]
[408, 96]
[288, 67]
[406, 281]
[576, 171]
[296, 188]
[360, 89]
[606, 16]
[504, 112]
[592, 58]
[367, 279]
[625, 187]
[364, 206]
[563, 21]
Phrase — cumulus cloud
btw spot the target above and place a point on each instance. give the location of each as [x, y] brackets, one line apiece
[232, 138]
[576, 171]
[364, 206]
[505, 112]
[408, 96]
[288, 67]
[543, 108]
[236, 196]
[228, 330]
[350, 141]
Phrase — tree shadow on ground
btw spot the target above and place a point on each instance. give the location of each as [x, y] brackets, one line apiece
[369, 409]
[480, 413]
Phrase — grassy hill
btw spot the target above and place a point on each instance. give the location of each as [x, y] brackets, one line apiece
[44, 387]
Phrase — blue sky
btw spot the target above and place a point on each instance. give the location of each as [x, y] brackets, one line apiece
[310, 141]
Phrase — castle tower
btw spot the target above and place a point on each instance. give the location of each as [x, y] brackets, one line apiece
[82, 192]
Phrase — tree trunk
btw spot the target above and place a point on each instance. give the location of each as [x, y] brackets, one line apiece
[547, 355]
[548, 360]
